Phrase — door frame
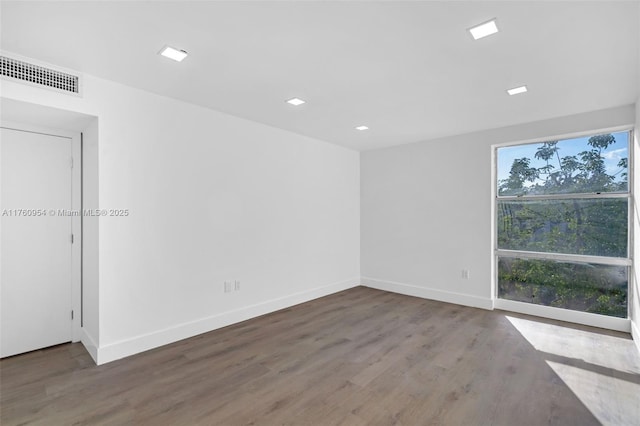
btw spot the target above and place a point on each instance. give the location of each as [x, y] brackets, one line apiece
[76, 221]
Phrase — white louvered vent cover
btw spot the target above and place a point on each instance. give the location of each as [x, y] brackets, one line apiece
[36, 74]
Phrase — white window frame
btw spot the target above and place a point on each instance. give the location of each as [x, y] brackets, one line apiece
[585, 318]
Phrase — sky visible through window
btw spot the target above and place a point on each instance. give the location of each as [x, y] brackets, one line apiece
[612, 154]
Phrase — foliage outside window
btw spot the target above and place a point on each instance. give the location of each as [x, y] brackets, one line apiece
[562, 215]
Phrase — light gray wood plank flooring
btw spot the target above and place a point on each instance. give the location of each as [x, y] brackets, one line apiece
[359, 357]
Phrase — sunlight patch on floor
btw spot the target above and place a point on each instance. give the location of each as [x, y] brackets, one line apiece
[598, 392]
[604, 350]
[600, 368]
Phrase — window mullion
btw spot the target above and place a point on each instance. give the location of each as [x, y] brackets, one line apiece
[571, 196]
[603, 260]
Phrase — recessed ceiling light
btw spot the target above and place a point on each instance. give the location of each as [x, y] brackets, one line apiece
[295, 101]
[175, 54]
[362, 128]
[517, 90]
[483, 30]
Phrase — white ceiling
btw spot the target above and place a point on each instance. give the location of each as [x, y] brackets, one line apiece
[408, 70]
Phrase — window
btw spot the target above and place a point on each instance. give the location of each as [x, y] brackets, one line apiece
[562, 223]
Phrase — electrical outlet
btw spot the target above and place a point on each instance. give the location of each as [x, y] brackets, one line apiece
[227, 287]
[236, 285]
[465, 274]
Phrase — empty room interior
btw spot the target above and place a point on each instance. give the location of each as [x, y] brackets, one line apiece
[319, 212]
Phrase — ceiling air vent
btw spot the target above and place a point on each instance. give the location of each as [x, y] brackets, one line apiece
[41, 76]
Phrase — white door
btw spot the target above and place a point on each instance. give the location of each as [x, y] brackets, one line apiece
[35, 241]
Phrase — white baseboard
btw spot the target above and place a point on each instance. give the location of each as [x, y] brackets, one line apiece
[132, 346]
[428, 293]
[635, 334]
[89, 344]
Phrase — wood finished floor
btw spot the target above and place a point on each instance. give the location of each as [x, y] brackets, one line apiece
[359, 357]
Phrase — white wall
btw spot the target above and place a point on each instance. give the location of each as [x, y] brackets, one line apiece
[634, 308]
[212, 198]
[90, 239]
[635, 290]
[426, 209]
